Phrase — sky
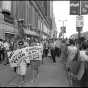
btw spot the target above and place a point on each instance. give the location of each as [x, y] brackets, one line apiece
[61, 11]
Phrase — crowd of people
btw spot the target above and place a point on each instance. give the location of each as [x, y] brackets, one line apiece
[14, 44]
[76, 66]
[66, 49]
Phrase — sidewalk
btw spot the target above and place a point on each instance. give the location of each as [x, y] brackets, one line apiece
[50, 75]
[6, 74]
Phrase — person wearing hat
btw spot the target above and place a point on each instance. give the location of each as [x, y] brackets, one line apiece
[20, 44]
[22, 67]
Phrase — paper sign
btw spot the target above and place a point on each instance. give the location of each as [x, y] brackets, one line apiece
[28, 53]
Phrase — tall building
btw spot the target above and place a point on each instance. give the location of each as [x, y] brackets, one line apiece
[35, 13]
[54, 29]
[7, 28]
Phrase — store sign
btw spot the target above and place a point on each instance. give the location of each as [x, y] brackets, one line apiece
[74, 7]
[84, 7]
[79, 21]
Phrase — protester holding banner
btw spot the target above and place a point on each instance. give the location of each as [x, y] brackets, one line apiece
[22, 68]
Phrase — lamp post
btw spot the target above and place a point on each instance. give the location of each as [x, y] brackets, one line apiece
[80, 24]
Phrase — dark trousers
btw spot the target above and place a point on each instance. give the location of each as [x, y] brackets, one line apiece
[45, 52]
[53, 55]
[2, 55]
[58, 51]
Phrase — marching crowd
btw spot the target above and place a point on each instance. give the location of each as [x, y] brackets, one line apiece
[75, 59]
[76, 66]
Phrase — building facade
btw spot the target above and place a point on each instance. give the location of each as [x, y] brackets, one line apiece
[35, 13]
[54, 28]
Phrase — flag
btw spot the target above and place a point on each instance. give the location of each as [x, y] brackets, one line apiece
[84, 7]
[74, 7]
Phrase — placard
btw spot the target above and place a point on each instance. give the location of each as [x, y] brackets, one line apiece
[28, 53]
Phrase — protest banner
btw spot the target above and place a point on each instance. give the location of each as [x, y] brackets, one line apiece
[28, 53]
[16, 56]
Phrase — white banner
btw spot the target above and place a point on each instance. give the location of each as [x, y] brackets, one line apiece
[79, 21]
[28, 53]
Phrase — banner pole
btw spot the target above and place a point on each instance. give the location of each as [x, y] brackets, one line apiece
[79, 30]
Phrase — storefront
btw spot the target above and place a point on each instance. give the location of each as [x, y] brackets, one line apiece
[7, 31]
[31, 34]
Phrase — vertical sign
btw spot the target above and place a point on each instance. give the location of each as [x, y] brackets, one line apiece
[84, 7]
[74, 7]
[79, 21]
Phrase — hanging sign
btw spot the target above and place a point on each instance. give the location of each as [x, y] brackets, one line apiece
[74, 7]
[84, 7]
[79, 21]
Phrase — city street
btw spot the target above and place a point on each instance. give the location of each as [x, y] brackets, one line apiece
[52, 75]
[31, 32]
[49, 75]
